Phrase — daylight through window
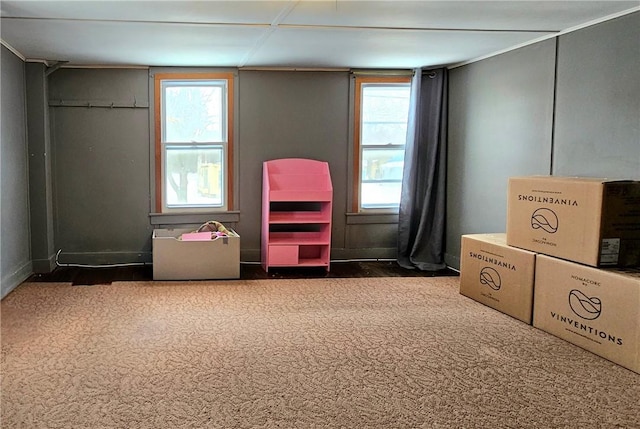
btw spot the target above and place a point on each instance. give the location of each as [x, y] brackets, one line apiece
[193, 141]
[382, 109]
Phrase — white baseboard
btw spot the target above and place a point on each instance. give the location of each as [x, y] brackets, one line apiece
[14, 279]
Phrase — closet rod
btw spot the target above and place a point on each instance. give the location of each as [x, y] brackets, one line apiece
[101, 104]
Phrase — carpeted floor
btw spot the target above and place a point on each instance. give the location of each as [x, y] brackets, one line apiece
[293, 353]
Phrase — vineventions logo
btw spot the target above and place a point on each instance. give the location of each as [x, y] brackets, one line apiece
[490, 277]
[545, 219]
[588, 308]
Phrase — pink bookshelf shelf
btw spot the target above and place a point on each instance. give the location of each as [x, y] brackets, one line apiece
[299, 238]
[298, 217]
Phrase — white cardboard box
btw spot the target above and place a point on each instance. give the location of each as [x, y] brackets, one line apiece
[497, 275]
[174, 259]
[596, 309]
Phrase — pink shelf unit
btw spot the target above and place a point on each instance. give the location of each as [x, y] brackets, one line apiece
[297, 197]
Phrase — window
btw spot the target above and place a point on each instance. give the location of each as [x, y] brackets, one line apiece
[380, 134]
[194, 141]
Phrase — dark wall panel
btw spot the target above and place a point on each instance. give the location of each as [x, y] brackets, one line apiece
[500, 122]
[40, 169]
[291, 115]
[101, 166]
[598, 101]
[15, 257]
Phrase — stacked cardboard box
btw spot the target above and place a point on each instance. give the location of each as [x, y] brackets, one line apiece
[497, 275]
[586, 220]
[578, 224]
[586, 234]
[596, 309]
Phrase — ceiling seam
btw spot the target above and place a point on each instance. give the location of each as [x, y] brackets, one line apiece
[272, 27]
[277, 23]
[432, 29]
[134, 21]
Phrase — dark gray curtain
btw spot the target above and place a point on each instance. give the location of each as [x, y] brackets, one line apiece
[422, 203]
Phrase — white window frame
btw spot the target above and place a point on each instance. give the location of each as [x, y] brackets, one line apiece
[226, 82]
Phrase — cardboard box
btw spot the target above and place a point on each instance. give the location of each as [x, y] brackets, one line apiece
[175, 259]
[596, 309]
[497, 275]
[588, 220]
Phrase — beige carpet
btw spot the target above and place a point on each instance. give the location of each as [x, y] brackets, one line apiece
[316, 353]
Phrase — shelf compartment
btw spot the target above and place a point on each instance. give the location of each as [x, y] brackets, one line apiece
[297, 206]
[309, 253]
[303, 255]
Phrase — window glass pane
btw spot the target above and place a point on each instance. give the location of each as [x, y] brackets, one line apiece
[380, 194]
[193, 112]
[382, 134]
[382, 164]
[194, 176]
[385, 110]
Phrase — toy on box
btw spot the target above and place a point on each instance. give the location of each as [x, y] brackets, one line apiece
[207, 231]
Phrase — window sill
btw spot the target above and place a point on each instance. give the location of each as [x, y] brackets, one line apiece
[193, 218]
[377, 217]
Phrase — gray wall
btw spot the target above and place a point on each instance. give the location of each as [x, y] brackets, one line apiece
[101, 165]
[598, 101]
[40, 169]
[502, 120]
[15, 257]
[303, 115]
[291, 115]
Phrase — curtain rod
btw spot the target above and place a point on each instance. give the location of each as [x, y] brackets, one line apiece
[374, 72]
[296, 69]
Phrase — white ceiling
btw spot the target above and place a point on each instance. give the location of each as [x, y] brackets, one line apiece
[299, 34]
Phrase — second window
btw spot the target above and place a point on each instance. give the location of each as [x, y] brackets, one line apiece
[381, 114]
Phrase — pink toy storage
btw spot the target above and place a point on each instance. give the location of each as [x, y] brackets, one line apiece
[297, 197]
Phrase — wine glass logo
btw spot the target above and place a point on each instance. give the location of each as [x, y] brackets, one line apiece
[588, 308]
[491, 278]
[544, 219]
